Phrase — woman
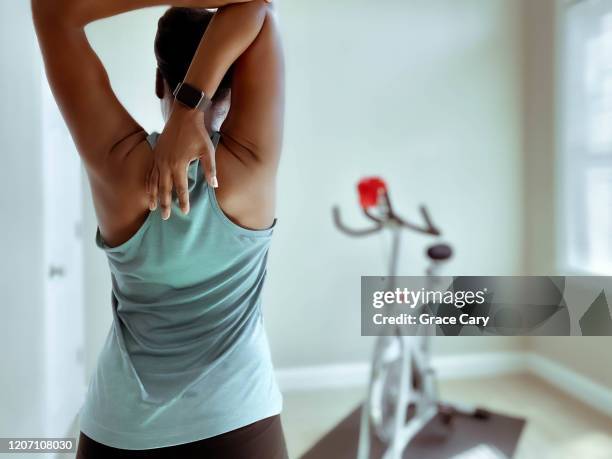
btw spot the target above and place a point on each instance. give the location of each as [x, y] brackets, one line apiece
[185, 370]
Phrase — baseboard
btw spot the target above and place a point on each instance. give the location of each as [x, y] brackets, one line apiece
[465, 366]
[479, 365]
[586, 390]
[323, 377]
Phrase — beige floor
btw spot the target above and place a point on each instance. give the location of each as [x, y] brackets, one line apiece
[559, 427]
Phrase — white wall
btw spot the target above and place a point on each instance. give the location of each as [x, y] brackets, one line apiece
[21, 238]
[426, 93]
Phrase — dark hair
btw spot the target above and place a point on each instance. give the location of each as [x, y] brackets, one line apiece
[179, 32]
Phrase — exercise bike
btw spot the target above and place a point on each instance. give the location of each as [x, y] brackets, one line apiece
[402, 396]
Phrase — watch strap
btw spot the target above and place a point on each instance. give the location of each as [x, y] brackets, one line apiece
[191, 97]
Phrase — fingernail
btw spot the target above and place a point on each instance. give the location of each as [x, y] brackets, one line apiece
[152, 206]
[214, 182]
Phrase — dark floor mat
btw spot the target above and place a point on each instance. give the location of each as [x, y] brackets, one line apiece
[436, 441]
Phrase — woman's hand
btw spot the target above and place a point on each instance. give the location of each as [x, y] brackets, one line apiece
[183, 140]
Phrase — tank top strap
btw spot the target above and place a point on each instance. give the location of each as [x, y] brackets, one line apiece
[215, 137]
[152, 139]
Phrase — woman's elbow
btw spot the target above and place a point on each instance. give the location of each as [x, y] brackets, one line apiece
[231, 2]
[253, 10]
[46, 12]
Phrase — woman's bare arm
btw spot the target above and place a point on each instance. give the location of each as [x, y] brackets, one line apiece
[246, 36]
[82, 12]
[256, 115]
[97, 121]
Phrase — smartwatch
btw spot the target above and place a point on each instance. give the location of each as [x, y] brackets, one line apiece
[191, 97]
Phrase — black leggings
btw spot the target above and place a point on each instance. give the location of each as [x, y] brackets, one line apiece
[261, 440]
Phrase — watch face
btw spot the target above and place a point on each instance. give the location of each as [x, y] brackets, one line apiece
[188, 95]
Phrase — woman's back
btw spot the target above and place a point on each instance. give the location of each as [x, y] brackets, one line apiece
[187, 330]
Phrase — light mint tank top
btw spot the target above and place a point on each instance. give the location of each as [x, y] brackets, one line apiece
[186, 357]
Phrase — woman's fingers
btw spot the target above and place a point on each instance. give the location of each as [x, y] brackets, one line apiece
[210, 166]
[179, 176]
[148, 182]
[153, 188]
[165, 193]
